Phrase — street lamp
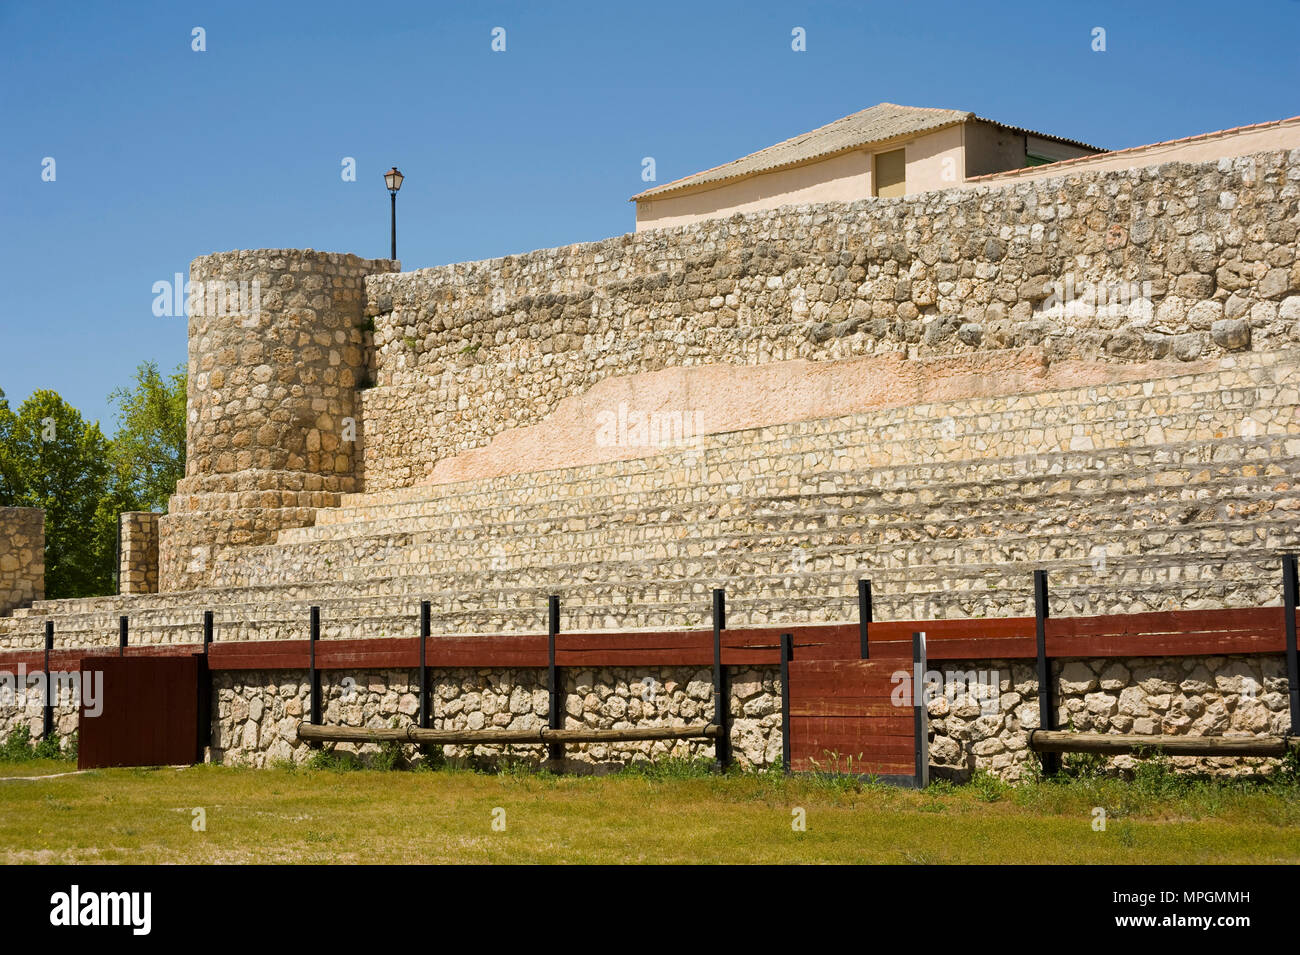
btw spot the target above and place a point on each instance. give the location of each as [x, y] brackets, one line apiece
[393, 179]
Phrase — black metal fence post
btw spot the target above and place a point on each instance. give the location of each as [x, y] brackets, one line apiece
[47, 717]
[920, 714]
[424, 668]
[1289, 587]
[205, 690]
[721, 685]
[1046, 688]
[555, 694]
[312, 672]
[864, 615]
[121, 635]
[787, 654]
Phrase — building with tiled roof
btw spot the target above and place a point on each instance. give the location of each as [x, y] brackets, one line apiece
[890, 150]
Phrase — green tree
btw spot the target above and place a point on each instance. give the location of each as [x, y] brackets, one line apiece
[148, 448]
[8, 488]
[52, 459]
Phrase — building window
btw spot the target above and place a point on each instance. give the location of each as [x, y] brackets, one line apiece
[1034, 159]
[891, 174]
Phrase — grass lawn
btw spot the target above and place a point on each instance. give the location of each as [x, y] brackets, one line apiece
[673, 814]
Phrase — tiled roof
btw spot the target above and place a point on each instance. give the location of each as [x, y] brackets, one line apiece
[879, 123]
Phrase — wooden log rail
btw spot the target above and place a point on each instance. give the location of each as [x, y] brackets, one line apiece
[312, 733]
[1118, 744]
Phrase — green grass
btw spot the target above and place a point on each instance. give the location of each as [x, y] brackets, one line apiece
[671, 812]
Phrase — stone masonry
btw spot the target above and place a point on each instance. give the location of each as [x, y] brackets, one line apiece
[277, 352]
[258, 713]
[1096, 372]
[1178, 261]
[138, 552]
[22, 556]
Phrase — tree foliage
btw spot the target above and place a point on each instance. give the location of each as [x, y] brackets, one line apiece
[53, 459]
[148, 449]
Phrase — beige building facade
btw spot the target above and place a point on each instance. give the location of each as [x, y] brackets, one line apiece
[886, 151]
[890, 151]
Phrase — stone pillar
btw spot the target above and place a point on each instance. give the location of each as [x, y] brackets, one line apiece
[137, 564]
[275, 353]
[22, 557]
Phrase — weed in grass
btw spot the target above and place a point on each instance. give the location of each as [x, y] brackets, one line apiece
[836, 773]
[1084, 765]
[674, 767]
[390, 755]
[431, 757]
[987, 787]
[19, 747]
[326, 758]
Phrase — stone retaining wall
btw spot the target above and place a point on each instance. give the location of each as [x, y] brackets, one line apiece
[1178, 696]
[1179, 261]
[22, 557]
[257, 714]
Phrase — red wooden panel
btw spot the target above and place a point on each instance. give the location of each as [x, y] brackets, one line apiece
[858, 707]
[259, 655]
[974, 627]
[383, 653]
[1169, 621]
[1168, 633]
[514, 650]
[818, 734]
[857, 677]
[34, 660]
[150, 712]
[164, 650]
[982, 648]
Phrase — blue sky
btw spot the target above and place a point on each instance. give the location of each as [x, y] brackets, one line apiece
[163, 153]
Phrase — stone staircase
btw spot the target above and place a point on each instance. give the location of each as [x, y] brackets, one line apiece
[1164, 494]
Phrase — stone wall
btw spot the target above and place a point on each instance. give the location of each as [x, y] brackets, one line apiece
[22, 557]
[138, 552]
[1177, 696]
[1179, 262]
[277, 347]
[257, 714]
[33, 715]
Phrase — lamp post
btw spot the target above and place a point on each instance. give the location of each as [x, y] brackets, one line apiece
[393, 179]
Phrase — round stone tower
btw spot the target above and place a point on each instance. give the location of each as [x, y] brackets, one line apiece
[276, 351]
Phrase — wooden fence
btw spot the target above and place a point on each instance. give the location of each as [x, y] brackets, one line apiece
[837, 680]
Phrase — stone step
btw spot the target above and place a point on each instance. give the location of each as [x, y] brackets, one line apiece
[1225, 494]
[1019, 532]
[844, 491]
[1144, 583]
[670, 469]
[1131, 405]
[741, 562]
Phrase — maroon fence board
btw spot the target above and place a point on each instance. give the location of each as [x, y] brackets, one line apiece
[1168, 633]
[1162, 633]
[150, 712]
[842, 709]
[842, 714]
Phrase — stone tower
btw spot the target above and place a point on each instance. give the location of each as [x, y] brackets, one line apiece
[276, 352]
